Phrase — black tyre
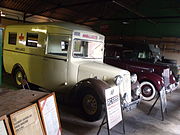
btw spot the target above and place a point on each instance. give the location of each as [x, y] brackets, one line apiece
[91, 105]
[18, 76]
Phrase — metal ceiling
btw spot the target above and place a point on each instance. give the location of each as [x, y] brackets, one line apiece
[156, 18]
[88, 11]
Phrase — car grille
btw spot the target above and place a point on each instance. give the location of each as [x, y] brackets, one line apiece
[127, 86]
[166, 77]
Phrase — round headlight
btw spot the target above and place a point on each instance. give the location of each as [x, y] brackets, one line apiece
[133, 78]
[118, 79]
[170, 72]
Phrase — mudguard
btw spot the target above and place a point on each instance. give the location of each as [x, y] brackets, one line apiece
[153, 78]
[97, 85]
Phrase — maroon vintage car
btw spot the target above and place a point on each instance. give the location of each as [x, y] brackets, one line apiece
[152, 77]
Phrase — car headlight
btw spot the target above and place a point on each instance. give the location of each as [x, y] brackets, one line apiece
[133, 78]
[118, 79]
[170, 72]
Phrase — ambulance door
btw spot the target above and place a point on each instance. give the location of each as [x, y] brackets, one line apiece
[55, 61]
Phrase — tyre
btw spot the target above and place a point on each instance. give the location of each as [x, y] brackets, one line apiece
[148, 91]
[91, 106]
[18, 76]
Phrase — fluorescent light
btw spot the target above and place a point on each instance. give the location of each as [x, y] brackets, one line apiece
[39, 30]
[2, 14]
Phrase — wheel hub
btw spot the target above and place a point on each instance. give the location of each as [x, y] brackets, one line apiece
[147, 91]
[90, 104]
[19, 78]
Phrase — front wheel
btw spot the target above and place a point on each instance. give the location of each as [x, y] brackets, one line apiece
[148, 91]
[91, 105]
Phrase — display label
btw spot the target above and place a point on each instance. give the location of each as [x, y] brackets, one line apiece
[27, 121]
[50, 115]
[113, 106]
[2, 128]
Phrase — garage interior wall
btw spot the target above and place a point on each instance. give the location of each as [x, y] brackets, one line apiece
[171, 51]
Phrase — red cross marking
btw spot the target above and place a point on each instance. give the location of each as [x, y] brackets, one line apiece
[21, 37]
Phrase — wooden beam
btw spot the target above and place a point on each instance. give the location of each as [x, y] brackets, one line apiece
[131, 10]
[60, 5]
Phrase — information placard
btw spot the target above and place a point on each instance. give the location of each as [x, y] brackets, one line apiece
[113, 106]
[50, 115]
[163, 99]
[4, 126]
[3, 130]
[27, 121]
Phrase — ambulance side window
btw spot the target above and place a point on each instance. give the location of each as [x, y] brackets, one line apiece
[57, 44]
[32, 40]
[12, 38]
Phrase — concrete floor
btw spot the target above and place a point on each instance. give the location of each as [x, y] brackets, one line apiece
[137, 122]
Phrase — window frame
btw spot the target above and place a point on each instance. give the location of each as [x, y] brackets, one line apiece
[62, 53]
[27, 37]
[9, 38]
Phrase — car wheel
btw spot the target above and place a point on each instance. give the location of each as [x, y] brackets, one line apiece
[91, 105]
[18, 76]
[148, 91]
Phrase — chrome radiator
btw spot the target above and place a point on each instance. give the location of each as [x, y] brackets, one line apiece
[166, 76]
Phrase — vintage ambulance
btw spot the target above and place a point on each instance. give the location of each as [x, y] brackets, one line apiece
[67, 58]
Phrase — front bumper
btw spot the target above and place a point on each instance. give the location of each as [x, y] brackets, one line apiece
[132, 105]
[172, 87]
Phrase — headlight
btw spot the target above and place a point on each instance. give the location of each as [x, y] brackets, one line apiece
[174, 79]
[170, 72]
[133, 78]
[118, 79]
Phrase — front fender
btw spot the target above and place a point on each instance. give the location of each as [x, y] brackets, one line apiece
[153, 78]
[97, 85]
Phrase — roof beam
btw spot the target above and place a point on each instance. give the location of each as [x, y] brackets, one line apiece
[131, 10]
[60, 5]
[135, 18]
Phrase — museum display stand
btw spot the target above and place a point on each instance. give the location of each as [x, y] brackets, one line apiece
[163, 103]
[114, 113]
[28, 112]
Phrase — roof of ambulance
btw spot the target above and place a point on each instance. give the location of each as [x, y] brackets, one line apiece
[65, 25]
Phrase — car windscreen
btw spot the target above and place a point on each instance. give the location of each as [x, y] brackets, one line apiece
[87, 49]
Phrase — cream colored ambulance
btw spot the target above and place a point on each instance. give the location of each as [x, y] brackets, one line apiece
[66, 58]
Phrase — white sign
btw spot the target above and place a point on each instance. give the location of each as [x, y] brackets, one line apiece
[2, 128]
[113, 106]
[50, 115]
[163, 99]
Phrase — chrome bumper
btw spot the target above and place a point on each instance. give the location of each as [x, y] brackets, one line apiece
[132, 105]
[172, 87]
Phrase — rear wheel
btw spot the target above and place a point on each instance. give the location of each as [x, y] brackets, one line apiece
[91, 105]
[148, 90]
[18, 76]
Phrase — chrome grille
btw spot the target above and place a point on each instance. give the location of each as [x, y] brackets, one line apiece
[166, 76]
[127, 86]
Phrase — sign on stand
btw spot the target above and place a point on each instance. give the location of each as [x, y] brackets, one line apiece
[163, 102]
[114, 113]
[113, 106]
[50, 115]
